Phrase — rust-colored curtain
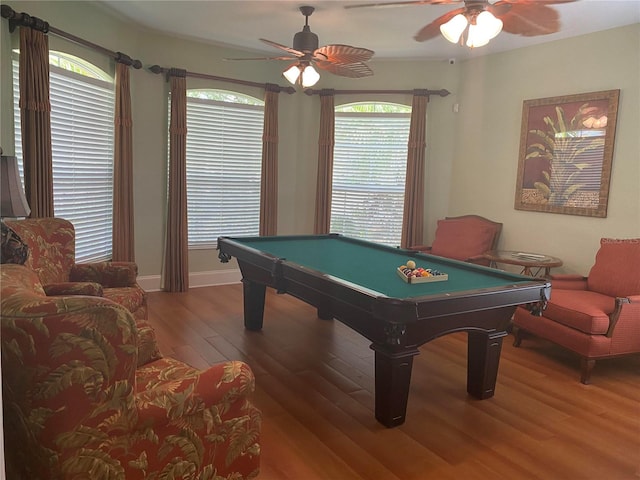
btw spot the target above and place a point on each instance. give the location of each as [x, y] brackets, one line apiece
[413, 216]
[123, 237]
[324, 180]
[35, 121]
[176, 264]
[269, 177]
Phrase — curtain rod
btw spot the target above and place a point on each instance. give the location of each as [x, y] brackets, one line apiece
[158, 69]
[26, 20]
[441, 93]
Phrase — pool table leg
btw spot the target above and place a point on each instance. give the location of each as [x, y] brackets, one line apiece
[393, 377]
[253, 294]
[324, 313]
[483, 358]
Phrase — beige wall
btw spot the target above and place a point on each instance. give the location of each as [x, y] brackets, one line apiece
[488, 130]
[472, 155]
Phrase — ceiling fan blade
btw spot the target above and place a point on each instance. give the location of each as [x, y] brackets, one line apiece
[351, 70]
[402, 4]
[342, 54]
[537, 2]
[500, 9]
[262, 58]
[433, 29]
[292, 51]
[530, 19]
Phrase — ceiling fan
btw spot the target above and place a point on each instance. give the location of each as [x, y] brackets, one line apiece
[342, 60]
[482, 20]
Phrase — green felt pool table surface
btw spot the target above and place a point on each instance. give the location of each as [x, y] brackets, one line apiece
[374, 266]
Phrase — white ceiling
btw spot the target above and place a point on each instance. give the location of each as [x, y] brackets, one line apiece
[387, 31]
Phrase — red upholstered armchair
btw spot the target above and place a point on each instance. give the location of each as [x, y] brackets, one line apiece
[76, 403]
[464, 238]
[596, 316]
[52, 251]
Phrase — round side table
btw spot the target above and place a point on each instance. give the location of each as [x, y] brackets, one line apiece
[532, 263]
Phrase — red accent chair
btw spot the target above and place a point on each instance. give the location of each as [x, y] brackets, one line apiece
[464, 238]
[78, 404]
[52, 255]
[596, 316]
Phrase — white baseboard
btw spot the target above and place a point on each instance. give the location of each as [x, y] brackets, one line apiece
[153, 283]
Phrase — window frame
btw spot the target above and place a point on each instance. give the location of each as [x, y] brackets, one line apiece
[346, 156]
[74, 140]
[227, 166]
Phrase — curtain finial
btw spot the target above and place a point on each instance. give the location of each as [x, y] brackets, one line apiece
[23, 20]
[127, 60]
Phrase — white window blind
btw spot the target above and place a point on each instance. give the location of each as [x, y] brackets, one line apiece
[224, 162]
[82, 110]
[369, 169]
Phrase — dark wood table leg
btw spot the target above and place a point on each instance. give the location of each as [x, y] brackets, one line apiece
[483, 358]
[324, 313]
[393, 377]
[253, 294]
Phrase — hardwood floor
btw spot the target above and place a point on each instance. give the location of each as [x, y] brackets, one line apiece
[314, 385]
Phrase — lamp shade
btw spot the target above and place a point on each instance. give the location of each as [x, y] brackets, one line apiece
[454, 28]
[13, 203]
[292, 73]
[485, 28]
[302, 73]
[490, 25]
[309, 76]
[482, 27]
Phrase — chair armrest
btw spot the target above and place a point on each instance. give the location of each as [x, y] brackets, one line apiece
[165, 387]
[74, 288]
[568, 282]
[624, 319]
[189, 410]
[108, 274]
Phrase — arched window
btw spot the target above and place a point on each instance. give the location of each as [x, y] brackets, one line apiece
[369, 167]
[224, 162]
[82, 108]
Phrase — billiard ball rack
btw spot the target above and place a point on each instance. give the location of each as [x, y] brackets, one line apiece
[431, 277]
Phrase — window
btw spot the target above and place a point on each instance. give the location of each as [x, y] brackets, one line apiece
[82, 109]
[224, 163]
[369, 167]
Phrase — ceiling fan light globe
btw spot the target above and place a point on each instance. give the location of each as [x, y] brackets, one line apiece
[309, 76]
[454, 28]
[489, 24]
[476, 37]
[292, 73]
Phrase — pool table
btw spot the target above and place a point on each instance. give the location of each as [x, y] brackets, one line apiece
[356, 282]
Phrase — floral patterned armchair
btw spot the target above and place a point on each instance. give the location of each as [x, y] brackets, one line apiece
[52, 251]
[77, 405]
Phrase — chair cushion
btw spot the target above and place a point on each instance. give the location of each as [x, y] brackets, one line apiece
[615, 272]
[583, 310]
[51, 244]
[461, 240]
[75, 288]
[132, 298]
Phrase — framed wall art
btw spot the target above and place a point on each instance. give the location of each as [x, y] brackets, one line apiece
[566, 150]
